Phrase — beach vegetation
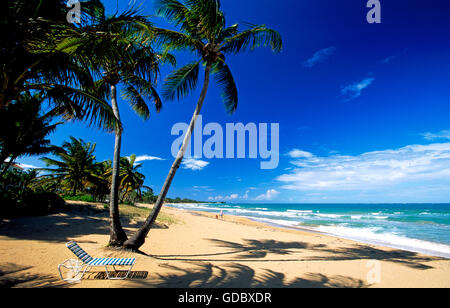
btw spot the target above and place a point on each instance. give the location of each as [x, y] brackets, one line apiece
[30, 62]
[21, 195]
[24, 130]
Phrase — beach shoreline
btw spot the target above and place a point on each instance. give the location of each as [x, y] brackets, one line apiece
[199, 250]
[435, 249]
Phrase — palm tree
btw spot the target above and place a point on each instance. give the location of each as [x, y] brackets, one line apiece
[202, 30]
[120, 48]
[130, 178]
[30, 61]
[23, 130]
[99, 181]
[74, 167]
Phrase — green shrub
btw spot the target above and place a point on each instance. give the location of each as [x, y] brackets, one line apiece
[85, 198]
[40, 204]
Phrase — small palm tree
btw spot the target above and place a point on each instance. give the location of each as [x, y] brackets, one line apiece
[99, 181]
[130, 178]
[74, 165]
[202, 30]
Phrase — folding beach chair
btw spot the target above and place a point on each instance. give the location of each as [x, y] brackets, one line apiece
[85, 262]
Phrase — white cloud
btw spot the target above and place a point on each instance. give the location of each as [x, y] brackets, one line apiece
[296, 153]
[392, 57]
[354, 90]
[443, 134]
[194, 164]
[231, 197]
[413, 164]
[245, 196]
[202, 188]
[320, 56]
[269, 195]
[147, 157]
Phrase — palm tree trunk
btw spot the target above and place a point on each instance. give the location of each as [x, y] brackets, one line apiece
[117, 235]
[7, 165]
[138, 239]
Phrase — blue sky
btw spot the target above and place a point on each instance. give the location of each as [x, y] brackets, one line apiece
[363, 108]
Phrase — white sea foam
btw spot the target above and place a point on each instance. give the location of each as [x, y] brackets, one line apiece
[356, 217]
[294, 218]
[373, 236]
[280, 222]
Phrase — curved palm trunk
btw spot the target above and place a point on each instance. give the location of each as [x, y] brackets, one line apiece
[138, 239]
[117, 235]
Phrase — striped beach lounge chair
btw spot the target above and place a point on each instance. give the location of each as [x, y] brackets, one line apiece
[85, 262]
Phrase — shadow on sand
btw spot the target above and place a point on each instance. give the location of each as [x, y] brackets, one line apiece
[81, 219]
[12, 275]
[234, 275]
[258, 250]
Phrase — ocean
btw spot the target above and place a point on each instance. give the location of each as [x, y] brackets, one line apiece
[423, 228]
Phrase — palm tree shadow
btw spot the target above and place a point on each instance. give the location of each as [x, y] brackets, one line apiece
[78, 220]
[250, 249]
[358, 252]
[13, 275]
[235, 275]
[258, 250]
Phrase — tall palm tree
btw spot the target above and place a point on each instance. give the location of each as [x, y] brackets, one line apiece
[202, 30]
[74, 167]
[24, 130]
[119, 47]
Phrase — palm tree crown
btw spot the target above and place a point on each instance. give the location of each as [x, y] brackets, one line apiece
[75, 165]
[203, 30]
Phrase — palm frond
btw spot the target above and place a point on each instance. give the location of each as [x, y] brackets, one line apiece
[176, 41]
[137, 91]
[208, 16]
[225, 80]
[178, 14]
[73, 103]
[250, 39]
[181, 81]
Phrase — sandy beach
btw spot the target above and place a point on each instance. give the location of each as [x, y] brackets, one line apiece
[198, 250]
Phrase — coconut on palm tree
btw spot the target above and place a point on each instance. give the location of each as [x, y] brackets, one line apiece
[202, 29]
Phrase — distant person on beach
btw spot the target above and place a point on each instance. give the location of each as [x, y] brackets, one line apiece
[221, 215]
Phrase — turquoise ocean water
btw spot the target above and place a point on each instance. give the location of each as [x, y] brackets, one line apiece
[421, 228]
